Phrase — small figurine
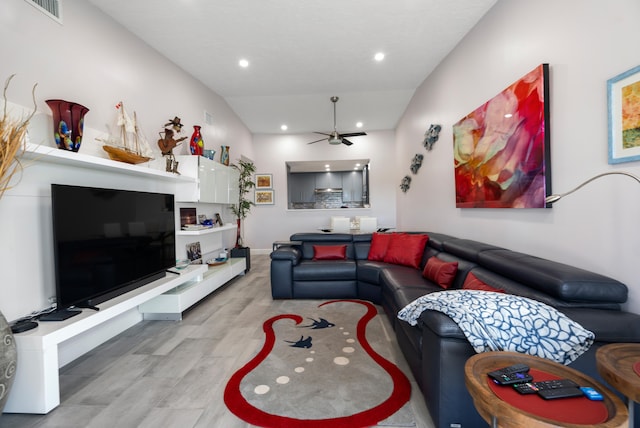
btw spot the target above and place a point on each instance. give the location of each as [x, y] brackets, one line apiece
[167, 143]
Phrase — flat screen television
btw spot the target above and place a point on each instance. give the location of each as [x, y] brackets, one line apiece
[107, 242]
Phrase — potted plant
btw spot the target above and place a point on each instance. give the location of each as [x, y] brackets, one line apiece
[242, 209]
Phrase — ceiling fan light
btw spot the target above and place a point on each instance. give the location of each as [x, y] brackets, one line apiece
[335, 140]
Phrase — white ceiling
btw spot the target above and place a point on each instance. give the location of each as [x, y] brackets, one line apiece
[301, 52]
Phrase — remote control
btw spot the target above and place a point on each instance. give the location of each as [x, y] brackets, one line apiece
[551, 394]
[517, 373]
[533, 387]
[555, 384]
[525, 388]
[591, 393]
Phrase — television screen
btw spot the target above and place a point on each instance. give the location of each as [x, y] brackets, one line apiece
[108, 242]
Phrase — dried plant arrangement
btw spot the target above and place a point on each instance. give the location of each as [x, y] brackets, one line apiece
[13, 141]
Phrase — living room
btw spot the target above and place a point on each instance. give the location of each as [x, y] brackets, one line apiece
[91, 60]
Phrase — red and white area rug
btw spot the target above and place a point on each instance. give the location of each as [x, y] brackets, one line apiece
[320, 368]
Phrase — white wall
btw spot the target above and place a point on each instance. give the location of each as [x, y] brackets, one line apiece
[93, 61]
[268, 223]
[585, 42]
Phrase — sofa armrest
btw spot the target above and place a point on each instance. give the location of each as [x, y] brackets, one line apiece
[287, 253]
[441, 325]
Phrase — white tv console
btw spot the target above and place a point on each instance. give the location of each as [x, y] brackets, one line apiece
[43, 350]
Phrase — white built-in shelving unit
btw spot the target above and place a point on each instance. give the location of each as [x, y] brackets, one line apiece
[43, 350]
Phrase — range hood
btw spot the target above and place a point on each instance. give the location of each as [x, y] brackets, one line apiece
[329, 190]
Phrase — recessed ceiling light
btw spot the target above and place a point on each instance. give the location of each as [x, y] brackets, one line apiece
[379, 56]
[284, 127]
[243, 63]
[359, 125]
[327, 166]
[357, 165]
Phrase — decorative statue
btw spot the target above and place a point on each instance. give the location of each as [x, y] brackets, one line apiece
[167, 143]
[431, 136]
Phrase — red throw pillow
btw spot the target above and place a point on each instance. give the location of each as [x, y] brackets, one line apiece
[471, 282]
[440, 272]
[379, 245]
[406, 249]
[329, 252]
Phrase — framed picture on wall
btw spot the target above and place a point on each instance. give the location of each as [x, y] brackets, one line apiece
[623, 96]
[264, 197]
[501, 149]
[264, 181]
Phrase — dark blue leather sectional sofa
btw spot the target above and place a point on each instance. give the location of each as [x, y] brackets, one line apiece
[436, 349]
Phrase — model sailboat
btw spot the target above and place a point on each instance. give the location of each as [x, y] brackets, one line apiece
[129, 145]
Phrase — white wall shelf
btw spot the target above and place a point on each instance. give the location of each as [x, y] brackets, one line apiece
[171, 304]
[54, 155]
[228, 226]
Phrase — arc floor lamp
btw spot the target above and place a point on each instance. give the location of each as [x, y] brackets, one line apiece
[557, 196]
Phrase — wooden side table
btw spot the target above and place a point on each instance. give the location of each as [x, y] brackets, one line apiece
[500, 413]
[615, 364]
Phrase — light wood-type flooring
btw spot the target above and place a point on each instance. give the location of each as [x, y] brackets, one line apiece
[173, 373]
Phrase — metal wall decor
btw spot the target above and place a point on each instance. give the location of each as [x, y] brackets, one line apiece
[431, 136]
[416, 163]
[405, 184]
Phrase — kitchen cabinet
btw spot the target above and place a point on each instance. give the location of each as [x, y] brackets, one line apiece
[328, 180]
[302, 188]
[352, 186]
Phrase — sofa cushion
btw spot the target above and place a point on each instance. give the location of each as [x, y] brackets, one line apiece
[379, 244]
[325, 270]
[330, 252]
[565, 282]
[473, 283]
[311, 239]
[467, 248]
[440, 272]
[406, 249]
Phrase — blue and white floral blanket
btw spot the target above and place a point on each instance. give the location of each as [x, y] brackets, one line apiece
[504, 322]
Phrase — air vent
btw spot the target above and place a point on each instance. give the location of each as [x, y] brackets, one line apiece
[208, 118]
[51, 8]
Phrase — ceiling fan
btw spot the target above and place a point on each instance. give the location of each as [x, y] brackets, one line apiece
[335, 137]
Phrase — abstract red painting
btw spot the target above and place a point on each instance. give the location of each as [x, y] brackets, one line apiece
[501, 149]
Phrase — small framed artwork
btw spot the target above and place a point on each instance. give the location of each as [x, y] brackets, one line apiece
[188, 216]
[264, 197]
[623, 96]
[194, 254]
[264, 181]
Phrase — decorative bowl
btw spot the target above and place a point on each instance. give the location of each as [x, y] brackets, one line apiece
[181, 264]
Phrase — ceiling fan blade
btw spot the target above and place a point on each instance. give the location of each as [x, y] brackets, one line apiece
[346, 142]
[321, 139]
[321, 133]
[353, 134]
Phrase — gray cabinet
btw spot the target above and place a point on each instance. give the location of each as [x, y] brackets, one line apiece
[328, 180]
[302, 188]
[352, 186]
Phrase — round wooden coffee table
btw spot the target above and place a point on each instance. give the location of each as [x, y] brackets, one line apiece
[499, 412]
[615, 364]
